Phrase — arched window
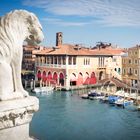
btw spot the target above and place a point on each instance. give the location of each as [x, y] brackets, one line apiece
[101, 75]
[55, 77]
[44, 76]
[73, 79]
[93, 78]
[61, 79]
[39, 75]
[49, 75]
[80, 79]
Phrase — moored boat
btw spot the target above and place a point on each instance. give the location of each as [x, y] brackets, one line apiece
[45, 89]
[123, 102]
[112, 99]
[104, 99]
[95, 95]
[84, 96]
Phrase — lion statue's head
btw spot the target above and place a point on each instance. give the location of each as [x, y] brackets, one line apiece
[34, 31]
[18, 26]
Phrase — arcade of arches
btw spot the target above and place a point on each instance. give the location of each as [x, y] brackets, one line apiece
[50, 78]
[55, 78]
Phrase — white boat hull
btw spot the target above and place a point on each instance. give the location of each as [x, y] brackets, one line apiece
[43, 89]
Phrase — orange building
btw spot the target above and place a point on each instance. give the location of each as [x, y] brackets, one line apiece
[109, 62]
[65, 65]
[69, 65]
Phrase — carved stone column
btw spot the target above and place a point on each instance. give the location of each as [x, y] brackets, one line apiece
[15, 116]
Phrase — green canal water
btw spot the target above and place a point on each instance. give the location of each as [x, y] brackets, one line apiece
[65, 116]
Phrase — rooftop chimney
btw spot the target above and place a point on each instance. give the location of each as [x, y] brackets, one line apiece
[59, 40]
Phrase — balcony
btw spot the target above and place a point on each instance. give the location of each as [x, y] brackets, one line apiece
[56, 66]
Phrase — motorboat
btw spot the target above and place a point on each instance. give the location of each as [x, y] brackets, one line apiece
[45, 89]
[85, 96]
[95, 95]
[112, 99]
[123, 102]
[104, 99]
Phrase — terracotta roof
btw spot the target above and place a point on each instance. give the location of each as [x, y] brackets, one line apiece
[108, 51]
[68, 49]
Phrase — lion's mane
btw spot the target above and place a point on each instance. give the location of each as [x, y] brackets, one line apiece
[13, 28]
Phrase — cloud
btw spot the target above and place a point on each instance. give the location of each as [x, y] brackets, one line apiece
[108, 12]
[60, 22]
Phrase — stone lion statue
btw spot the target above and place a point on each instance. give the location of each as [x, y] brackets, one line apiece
[15, 27]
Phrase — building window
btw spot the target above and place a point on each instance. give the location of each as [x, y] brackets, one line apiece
[38, 60]
[124, 71]
[48, 60]
[64, 60]
[123, 61]
[129, 61]
[136, 72]
[55, 60]
[44, 59]
[119, 70]
[136, 61]
[84, 61]
[130, 71]
[74, 60]
[70, 60]
[59, 60]
[41, 60]
[89, 61]
[51, 59]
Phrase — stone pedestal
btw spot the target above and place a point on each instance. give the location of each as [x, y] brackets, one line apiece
[15, 116]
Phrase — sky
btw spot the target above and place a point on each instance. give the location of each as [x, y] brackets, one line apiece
[84, 22]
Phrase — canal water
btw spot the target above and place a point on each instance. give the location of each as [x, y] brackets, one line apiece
[65, 116]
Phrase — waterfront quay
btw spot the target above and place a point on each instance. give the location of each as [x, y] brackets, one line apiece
[124, 91]
[99, 88]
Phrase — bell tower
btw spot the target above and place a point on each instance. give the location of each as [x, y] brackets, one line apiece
[59, 38]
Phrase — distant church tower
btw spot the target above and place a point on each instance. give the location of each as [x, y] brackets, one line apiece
[59, 39]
